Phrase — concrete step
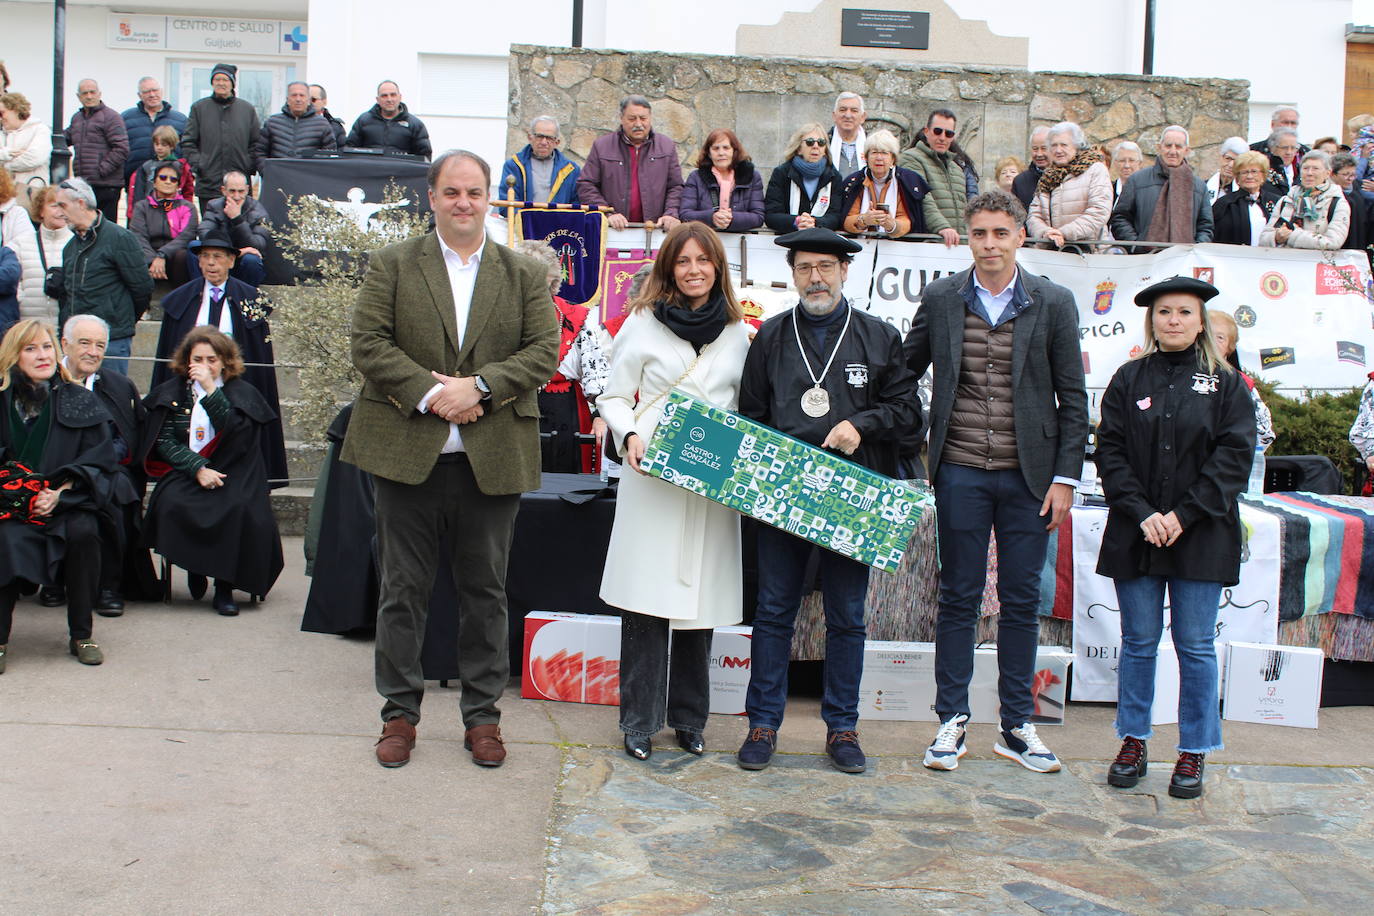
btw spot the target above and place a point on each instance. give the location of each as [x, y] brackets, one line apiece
[291, 505]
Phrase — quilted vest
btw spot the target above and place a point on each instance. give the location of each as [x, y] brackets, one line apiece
[982, 426]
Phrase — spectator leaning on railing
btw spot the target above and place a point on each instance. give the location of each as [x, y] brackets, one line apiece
[1074, 198]
[1311, 215]
[1166, 202]
[1240, 216]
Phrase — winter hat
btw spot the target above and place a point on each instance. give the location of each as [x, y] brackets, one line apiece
[228, 70]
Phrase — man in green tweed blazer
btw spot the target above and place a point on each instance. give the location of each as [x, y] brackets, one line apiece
[453, 335]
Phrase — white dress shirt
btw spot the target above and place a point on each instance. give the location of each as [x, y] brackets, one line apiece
[1257, 218]
[462, 277]
[226, 315]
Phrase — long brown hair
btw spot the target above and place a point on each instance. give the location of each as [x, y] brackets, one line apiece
[661, 287]
[225, 347]
[20, 335]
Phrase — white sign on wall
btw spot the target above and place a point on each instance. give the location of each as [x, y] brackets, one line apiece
[210, 34]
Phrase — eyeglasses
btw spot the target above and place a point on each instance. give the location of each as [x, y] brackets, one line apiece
[942, 132]
[826, 268]
[812, 141]
[551, 139]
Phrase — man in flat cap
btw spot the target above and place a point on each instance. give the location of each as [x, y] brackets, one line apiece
[833, 376]
[1008, 427]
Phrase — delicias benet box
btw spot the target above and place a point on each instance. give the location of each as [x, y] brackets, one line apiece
[784, 482]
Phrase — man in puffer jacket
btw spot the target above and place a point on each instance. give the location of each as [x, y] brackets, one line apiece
[101, 146]
[932, 159]
[148, 115]
[295, 130]
[389, 125]
[220, 133]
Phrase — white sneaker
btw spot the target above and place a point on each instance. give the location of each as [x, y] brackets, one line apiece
[1024, 746]
[944, 752]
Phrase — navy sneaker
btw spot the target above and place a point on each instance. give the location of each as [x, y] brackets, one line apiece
[1024, 746]
[845, 753]
[944, 752]
[757, 750]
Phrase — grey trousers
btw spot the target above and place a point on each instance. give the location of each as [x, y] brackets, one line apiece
[412, 522]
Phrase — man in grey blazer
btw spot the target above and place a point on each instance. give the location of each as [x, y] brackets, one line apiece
[1008, 426]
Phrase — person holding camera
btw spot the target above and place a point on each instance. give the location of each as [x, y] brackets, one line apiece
[882, 199]
[1313, 214]
[40, 253]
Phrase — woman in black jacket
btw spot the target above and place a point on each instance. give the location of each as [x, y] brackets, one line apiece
[57, 466]
[1174, 450]
[1240, 216]
[804, 191]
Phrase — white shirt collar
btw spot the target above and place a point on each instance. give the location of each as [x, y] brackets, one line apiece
[456, 258]
[88, 382]
[1005, 294]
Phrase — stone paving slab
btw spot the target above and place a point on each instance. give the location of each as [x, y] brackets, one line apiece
[681, 834]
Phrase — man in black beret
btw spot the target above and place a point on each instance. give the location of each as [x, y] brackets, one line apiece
[831, 375]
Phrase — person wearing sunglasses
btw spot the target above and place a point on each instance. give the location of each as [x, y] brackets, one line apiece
[933, 159]
[164, 223]
[540, 172]
[804, 191]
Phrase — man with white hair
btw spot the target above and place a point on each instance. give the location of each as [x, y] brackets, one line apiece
[1023, 186]
[1127, 159]
[540, 172]
[1285, 117]
[1223, 182]
[123, 562]
[1166, 202]
[148, 115]
[103, 271]
[847, 139]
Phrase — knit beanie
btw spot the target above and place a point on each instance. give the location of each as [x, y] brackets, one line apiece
[228, 70]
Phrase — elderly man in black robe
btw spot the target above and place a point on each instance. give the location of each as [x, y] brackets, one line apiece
[835, 377]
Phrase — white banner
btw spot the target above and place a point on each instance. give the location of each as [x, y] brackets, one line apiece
[1249, 612]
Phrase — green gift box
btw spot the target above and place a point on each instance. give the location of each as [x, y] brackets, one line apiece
[784, 482]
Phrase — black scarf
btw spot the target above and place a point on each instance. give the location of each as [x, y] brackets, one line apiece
[30, 397]
[696, 326]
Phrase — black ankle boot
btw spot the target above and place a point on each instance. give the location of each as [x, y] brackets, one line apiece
[224, 599]
[1130, 764]
[638, 747]
[691, 742]
[1187, 781]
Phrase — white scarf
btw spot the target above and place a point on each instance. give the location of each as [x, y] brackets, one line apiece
[837, 149]
[202, 430]
[226, 315]
[822, 204]
[889, 195]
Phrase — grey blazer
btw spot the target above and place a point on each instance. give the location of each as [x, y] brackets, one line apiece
[1048, 390]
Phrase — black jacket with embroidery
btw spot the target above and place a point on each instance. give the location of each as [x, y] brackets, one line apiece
[868, 384]
[1174, 437]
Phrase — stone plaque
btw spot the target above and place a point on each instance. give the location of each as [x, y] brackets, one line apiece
[902, 29]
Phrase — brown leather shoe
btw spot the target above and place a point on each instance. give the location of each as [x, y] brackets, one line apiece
[398, 737]
[488, 750]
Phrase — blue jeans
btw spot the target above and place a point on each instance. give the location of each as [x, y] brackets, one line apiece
[844, 584]
[248, 268]
[970, 504]
[117, 354]
[1193, 624]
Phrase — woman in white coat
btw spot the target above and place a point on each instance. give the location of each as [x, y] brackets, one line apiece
[25, 145]
[53, 235]
[673, 566]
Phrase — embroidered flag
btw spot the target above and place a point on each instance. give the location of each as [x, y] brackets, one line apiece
[578, 237]
[619, 269]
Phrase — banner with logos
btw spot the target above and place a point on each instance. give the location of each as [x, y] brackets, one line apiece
[578, 238]
[1249, 611]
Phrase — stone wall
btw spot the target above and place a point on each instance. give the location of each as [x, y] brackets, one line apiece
[763, 99]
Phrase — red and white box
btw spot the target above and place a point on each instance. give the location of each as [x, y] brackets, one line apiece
[731, 662]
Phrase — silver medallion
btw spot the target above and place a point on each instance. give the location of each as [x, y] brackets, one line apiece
[815, 402]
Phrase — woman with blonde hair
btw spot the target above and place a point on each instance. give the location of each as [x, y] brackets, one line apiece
[57, 466]
[1006, 170]
[673, 566]
[25, 145]
[1174, 449]
[804, 191]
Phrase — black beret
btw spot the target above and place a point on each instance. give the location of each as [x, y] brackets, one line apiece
[1200, 288]
[821, 241]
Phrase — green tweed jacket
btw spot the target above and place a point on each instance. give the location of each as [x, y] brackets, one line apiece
[404, 326]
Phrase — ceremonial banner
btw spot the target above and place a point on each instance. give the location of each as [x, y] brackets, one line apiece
[1248, 610]
[578, 238]
[784, 482]
[618, 269]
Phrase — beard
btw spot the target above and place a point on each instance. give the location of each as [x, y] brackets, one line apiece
[818, 307]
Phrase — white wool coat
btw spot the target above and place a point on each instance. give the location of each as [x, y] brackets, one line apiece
[32, 302]
[26, 153]
[673, 554]
[1079, 208]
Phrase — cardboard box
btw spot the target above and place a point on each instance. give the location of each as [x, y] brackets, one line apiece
[784, 482]
[899, 683]
[1272, 684]
[575, 658]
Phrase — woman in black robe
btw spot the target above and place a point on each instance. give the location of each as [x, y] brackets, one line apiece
[211, 513]
[57, 468]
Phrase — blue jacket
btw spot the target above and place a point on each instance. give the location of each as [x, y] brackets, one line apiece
[10, 269]
[140, 131]
[565, 173]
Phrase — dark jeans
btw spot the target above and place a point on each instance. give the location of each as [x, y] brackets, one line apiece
[247, 268]
[117, 353]
[107, 202]
[844, 584]
[969, 504]
[655, 688]
[80, 575]
[412, 522]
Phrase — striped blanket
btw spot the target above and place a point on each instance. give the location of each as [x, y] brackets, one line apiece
[1327, 551]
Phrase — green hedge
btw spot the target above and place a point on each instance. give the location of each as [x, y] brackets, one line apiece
[1319, 424]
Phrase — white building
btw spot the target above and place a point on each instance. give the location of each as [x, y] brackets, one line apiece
[450, 59]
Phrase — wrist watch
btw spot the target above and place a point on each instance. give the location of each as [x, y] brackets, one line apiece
[482, 386]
